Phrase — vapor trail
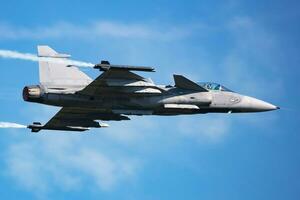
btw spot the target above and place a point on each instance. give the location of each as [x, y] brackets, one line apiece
[35, 58]
[11, 125]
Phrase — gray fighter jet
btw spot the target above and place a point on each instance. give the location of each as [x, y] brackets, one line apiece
[118, 92]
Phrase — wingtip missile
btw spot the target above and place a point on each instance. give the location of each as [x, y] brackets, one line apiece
[105, 66]
[35, 127]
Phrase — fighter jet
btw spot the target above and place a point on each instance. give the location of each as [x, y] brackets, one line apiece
[118, 93]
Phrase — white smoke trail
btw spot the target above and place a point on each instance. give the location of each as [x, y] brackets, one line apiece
[11, 125]
[35, 58]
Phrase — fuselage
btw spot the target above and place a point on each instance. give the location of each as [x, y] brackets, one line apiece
[173, 101]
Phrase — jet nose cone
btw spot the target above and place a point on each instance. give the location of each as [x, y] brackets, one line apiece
[259, 105]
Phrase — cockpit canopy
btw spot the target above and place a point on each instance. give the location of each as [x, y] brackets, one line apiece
[213, 86]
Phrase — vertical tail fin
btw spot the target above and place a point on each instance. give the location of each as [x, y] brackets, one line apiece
[46, 51]
[59, 74]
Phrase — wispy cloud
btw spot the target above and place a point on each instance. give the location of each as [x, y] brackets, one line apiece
[98, 29]
[252, 61]
[66, 162]
[209, 128]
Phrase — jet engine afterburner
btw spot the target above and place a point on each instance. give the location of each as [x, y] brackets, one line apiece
[32, 93]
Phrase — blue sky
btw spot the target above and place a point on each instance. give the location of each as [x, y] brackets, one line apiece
[251, 47]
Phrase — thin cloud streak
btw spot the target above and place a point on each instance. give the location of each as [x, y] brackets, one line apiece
[94, 30]
[31, 57]
[11, 125]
